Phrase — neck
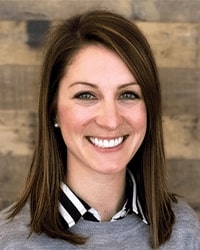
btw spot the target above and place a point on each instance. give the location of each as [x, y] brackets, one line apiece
[104, 192]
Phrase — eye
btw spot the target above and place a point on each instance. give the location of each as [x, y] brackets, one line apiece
[85, 96]
[128, 95]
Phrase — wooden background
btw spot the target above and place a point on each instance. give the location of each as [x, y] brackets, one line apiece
[173, 30]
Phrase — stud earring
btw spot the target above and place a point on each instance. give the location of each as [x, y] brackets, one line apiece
[56, 125]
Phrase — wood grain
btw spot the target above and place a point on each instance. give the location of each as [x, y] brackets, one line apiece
[17, 132]
[180, 89]
[17, 129]
[148, 10]
[182, 136]
[175, 45]
[19, 87]
[14, 45]
[13, 174]
[173, 31]
[184, 178]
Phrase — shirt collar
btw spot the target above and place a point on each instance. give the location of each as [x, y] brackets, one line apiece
[72, 208]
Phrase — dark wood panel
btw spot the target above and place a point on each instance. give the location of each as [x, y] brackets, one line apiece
[148, 10]
[13, 172]
[180, 88]
[181, 91]
[184, 178]
[19, 87]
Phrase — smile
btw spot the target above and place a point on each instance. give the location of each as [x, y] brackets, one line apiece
[105, 143]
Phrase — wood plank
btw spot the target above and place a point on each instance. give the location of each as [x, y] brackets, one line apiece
[17, 132]
[19, 87]
[57, 9]
[174, 44]
[148, 10]
[13, 174]
[17, 128]
[184, 178]
[14, 45]
[182, 136]
[180, 88]
[181, 91]
[166, 11]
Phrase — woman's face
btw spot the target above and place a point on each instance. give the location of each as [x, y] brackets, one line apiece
[100, 111]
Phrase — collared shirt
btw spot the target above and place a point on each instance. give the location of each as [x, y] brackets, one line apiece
[72, 208]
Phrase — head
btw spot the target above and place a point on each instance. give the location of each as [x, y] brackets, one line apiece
[116, 34]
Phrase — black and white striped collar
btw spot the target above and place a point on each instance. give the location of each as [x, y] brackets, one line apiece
[72, 208]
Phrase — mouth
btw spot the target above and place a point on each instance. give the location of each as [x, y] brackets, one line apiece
[107, 143]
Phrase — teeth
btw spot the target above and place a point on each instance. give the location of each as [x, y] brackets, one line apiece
[104, 143]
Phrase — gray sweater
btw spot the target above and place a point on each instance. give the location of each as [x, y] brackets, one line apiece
[129, 233]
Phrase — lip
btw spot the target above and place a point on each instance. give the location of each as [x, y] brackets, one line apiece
[107, 143]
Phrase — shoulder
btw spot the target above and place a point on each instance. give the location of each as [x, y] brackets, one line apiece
[22, 216]
[186, 229]
[15, 229]
[184, 213]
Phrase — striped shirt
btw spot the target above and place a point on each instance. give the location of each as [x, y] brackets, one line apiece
[72, 208]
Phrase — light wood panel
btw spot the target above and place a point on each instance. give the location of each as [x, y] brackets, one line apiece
[175, 45]
[15, 49]
[182, 136]
[17, 132]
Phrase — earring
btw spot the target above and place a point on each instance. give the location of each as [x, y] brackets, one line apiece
[56, 125]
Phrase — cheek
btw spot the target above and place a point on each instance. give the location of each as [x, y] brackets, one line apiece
[138, 118]
[72, 118]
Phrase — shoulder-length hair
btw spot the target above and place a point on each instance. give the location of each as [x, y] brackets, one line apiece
[49, 161]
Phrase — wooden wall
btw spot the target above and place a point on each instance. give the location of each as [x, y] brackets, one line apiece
[173, 30]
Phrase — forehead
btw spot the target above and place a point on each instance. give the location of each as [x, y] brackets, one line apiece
[96, 62]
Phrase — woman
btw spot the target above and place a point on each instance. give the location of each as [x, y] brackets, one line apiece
[99, 155]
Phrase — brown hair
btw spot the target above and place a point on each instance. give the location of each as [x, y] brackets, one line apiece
[49, 162]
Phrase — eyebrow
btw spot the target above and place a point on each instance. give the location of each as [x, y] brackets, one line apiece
[127, 85]
[84, 83]
[96, 87]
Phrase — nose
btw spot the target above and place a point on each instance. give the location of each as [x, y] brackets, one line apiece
[109, 116]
